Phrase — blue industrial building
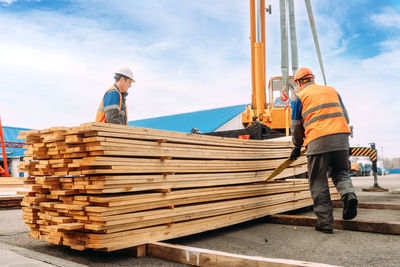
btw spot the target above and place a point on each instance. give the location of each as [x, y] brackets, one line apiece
[205, 121]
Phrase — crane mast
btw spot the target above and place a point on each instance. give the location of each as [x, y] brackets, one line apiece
[257, 43]
[274, 113]
[268, 116]
[257, 46]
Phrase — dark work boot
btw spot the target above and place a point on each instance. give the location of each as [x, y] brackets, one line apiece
[324, 230]
[350, 206]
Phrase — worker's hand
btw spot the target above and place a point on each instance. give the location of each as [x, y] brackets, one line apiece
[295, 153]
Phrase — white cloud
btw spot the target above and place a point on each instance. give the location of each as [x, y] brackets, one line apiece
[369, 90]
[66, 64]
[9, 2]
[390, 17]
[187, 56]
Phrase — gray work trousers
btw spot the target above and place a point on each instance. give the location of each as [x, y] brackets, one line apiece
[337, 162]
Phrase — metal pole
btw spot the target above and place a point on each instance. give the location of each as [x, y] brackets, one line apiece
[258, 21]
[293, 38]
[3, 149]
[374, 167]
[315, 36]
[284, 45]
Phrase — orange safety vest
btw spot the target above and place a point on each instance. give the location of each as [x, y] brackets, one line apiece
[322, 112]
[101, 116]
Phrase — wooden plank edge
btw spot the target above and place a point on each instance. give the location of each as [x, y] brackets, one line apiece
[363, 226]
[206, 257]
[366, 205]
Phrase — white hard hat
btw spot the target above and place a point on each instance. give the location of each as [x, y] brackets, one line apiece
[126, 72]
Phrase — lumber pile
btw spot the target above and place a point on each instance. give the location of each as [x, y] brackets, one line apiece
[107, 187]
[9, 196]
[10, 202]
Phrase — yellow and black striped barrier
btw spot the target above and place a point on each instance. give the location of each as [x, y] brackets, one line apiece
[363, 151]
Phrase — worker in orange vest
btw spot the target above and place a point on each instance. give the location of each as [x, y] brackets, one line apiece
[113, 105]
[320, 123]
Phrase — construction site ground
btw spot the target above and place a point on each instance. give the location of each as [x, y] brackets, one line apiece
[255, 238]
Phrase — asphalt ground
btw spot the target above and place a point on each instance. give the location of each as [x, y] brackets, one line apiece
[255, 238]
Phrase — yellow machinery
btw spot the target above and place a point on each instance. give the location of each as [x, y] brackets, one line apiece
[268, 115]
[274, 113]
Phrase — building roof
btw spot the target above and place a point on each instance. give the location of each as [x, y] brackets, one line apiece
[205, 120]
[10, 135]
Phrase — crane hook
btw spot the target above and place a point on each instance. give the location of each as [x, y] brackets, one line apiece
[284, 96]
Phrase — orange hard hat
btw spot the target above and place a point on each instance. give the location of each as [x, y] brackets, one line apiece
[303, 73]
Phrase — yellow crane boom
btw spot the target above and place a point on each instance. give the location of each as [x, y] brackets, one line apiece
[270, 114]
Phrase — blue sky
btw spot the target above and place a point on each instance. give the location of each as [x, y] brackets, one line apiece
[357, 20]
[57, 58]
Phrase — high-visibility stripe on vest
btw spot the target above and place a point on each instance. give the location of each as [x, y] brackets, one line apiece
[101, 115]
[322, 112]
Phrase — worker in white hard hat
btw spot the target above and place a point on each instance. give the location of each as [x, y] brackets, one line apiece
[113, 105]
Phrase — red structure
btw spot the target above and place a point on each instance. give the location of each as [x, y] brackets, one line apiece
[14, 144]
[4, 172]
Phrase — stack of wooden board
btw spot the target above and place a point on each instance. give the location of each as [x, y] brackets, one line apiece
[10, 201]
[9, 197]
[108, 187]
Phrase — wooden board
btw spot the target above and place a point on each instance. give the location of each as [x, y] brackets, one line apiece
[284, 165]
[353, 225]
[205, 257]
[364, 205]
